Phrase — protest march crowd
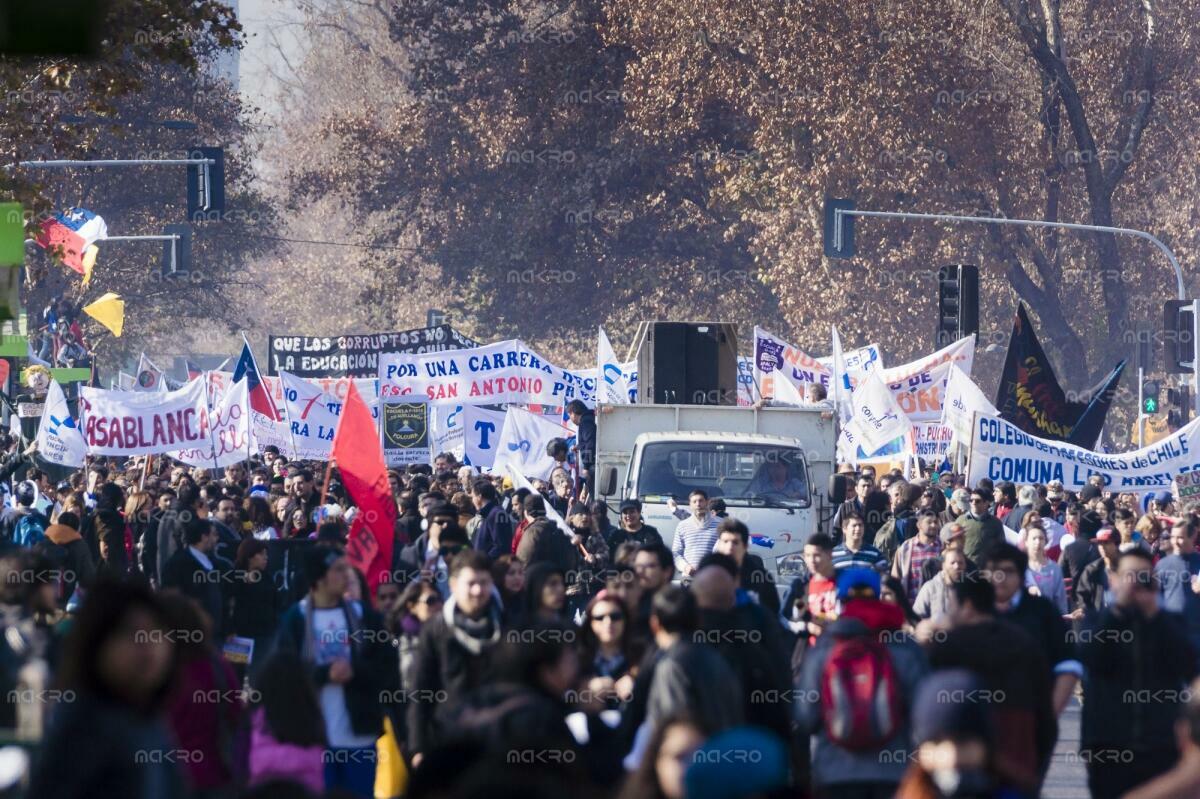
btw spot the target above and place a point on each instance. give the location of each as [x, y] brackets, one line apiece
[265, 626]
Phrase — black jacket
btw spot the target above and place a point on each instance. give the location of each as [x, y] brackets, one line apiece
[756, 578]
[1078, 554]
[184, 573]
[751, 641]
[1039, 617]
[1136, 671]
[585, 441]
[254, 607]
[447, 671]
[1091, 587]
[373, 659]
[648, 534]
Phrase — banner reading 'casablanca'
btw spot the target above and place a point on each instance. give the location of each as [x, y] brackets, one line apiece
[133, 423]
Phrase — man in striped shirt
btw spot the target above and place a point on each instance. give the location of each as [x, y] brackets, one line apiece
[695, 536]
[851, 552]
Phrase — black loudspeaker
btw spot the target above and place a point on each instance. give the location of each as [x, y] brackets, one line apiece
[688, 363]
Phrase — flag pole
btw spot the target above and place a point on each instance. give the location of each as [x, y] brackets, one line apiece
[212, 442]
[328, 477]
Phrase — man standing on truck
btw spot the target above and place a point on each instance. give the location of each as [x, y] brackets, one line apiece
[695, 536]
[584, 420]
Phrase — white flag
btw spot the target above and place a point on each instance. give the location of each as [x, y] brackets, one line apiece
[842, 389]
[523, 443]
[59, 440]
[961, 401]
[149, 377]
[612, 387]
[482, 429]
[520, 482]
[877, 418]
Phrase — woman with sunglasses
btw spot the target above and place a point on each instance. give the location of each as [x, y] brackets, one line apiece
[420, 602]
[607, 658]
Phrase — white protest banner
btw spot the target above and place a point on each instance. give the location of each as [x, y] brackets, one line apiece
[630, 370]
[142, 423]
[229, 432]
[859, 361]
[311, 423]
[59, 440]
[877, 417]
[505, 372]
[482, 428]
[840, 380]
[747, 391]
[1002, 451]
[931, 441]
[448, 429]
[522, 444]
[149, 377]
[961, 401]
[1187, 488]
[919, 385]
[335, 389]
[776, 361]
[613, 389]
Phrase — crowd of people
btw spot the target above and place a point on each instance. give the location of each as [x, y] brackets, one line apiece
[174, 632]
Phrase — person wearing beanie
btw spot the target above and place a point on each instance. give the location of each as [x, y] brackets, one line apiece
[954, 739]
[353, 664]
[719, 770]
[870, 626]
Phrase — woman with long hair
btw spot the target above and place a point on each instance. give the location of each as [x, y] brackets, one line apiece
[545, 593]
[607, 653]
[262, 522]
[110, 741]
[420, 602]
[139, 510]
[1043, 577]
[508, 575]
[287, 728]
[893, 591]
[254, 604]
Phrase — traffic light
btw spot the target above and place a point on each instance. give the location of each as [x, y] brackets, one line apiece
[1150, 397]
[958, 303]
[206, 185]
[839, 230]
[1178, 407]
[1178, 348]
[177, 253]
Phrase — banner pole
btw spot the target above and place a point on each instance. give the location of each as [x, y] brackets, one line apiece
[971, 448]
[325, 484]
[145, 468]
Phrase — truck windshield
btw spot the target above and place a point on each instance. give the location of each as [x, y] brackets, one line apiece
[741, 474]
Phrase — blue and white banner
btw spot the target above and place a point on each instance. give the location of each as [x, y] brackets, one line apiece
[482, 428]
[448, 421]
[59, 440]
[1002, 451]
[613, 389]
[507, 372]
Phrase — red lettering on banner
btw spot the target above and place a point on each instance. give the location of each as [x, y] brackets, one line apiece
[159, 434]
[928, 400]
[129, 431]
[175, 426]
[189, 416]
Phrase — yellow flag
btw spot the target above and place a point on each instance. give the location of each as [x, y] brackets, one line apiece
[109, 311]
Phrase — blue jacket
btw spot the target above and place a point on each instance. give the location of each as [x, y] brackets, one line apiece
[495, 533]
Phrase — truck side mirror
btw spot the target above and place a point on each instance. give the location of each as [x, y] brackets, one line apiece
[838, 488]
[608, 482]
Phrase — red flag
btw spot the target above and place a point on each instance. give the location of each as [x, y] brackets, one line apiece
[359, 456]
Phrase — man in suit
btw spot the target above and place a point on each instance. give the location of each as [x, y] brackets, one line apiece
[192, 572]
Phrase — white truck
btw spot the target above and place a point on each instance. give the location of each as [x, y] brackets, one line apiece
[771, 466]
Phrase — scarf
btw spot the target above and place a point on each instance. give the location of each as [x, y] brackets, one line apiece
[474, 635]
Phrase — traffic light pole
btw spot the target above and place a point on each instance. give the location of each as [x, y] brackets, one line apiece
[1141, 407]
[840, 213]
[205, 188]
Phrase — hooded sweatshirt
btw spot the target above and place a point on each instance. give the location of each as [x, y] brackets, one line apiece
[66, 547]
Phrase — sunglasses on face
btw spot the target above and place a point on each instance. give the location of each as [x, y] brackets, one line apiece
[614, 617]
[430, 599]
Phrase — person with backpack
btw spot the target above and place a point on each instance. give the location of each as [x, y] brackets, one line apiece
[855, 693]
[23, 524]
[65, 548]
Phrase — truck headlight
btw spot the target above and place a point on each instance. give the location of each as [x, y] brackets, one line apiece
[789, 567]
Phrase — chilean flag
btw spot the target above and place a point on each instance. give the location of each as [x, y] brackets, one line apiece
[71, 235]
[260, 398]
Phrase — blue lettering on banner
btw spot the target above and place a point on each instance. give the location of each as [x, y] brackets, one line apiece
[484, 429]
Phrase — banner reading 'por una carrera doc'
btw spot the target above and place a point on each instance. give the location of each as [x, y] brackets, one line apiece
[134, 423]
[505, 372]
[1002, 451]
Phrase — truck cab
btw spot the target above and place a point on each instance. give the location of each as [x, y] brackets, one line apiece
[768, 465]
